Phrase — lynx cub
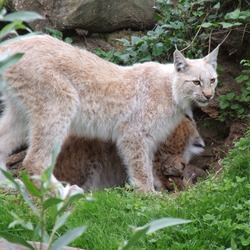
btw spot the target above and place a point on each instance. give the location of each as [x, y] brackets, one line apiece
[56, 89]
[94, 164]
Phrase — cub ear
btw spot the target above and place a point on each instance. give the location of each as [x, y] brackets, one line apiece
[211, 58]
[180, 62]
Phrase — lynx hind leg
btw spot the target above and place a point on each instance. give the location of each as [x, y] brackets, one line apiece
[135, 152]
[13, 134]
[42, 141]
[50, 124]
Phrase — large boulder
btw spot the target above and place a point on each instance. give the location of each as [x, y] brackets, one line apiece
[91, 15]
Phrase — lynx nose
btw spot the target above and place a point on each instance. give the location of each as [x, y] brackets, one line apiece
[207, 95]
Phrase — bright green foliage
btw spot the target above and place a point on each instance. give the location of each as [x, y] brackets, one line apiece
[237, 105]
[186, 23]
[58, 34]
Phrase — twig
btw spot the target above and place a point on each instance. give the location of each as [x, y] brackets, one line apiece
[244, 32]
[197, 33]
[226, 37]
[193, 39]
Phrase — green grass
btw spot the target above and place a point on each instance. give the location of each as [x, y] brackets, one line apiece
[219, 208]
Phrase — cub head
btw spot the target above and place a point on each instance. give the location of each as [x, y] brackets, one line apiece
[195, 79]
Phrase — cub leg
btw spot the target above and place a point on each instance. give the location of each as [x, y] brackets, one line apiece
[135, 152]
[13, 134]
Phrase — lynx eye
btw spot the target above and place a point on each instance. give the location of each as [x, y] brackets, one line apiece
[212, 80]
[196, 82]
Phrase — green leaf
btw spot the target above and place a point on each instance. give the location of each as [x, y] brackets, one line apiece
[26, 16]
[53, 201]
[135, 40]
[55, 33]
[11, 27]
[46, 176]
[68, 201]
[125, 42]
[16, 240]
[146, 58]
[207, 25]
[242, 78]
[217, 6]
[18, 38]
[42, 233]
[55, 152]
[226, 25]
[67, 238]
[233, 15]
[235, 106]
[30, 185]
[157, 49]
[68, 40]
[11, 179]
[26, 225]
[61, 221]
[163, 223]
[224, 104]
[136, 236]
[150, 228]
[8, 61]
[230, 96]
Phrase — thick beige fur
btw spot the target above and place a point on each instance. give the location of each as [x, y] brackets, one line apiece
[57, 89]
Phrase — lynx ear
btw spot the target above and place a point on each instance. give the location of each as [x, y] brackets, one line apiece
[211, 58]
[180, 62]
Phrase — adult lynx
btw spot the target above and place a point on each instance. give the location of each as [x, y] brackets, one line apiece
[56, 89]
[95, 164]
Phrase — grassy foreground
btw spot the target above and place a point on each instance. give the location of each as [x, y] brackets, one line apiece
[219, 208]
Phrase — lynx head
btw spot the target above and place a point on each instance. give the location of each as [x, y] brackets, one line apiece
[195, 79]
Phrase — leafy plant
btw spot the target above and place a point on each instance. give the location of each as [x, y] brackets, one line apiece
[45, 207]
[185, 24]
[58, 34]
[237, 105]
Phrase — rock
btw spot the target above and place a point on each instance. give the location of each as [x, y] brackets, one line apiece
[91, 15]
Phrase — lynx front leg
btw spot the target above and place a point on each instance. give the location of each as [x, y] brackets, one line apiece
[135, 153]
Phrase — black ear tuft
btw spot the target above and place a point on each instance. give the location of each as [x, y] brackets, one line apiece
[180, 62]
